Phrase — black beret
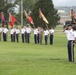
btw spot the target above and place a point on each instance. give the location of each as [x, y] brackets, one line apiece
[69, 25]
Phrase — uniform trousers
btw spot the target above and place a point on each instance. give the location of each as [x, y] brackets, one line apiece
[51, 39]
[12, 38]
[70, 47]
[4, 37]
[22, 38]
[25, 36]
[17, 37]
[38, 38]
[0, 36]
[28, 37]
[46, 39]
[35, 38]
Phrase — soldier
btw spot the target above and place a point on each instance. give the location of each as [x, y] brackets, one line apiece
[23, 33]
[28, 31]
[46, 33]
[0, 32]
[12, 34]
[51, 32]
[5, 31]
[40, 35]
[71, 39]
[35, 35]
[17, 34]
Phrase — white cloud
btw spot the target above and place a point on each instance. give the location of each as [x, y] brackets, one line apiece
[64, 2]
[61, 0]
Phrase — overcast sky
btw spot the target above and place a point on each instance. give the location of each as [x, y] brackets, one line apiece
[64, 2]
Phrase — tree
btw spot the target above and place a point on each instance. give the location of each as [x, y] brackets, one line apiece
[27, 5]
[48, 10]
[6, 6]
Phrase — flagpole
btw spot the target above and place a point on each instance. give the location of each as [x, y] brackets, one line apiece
[17, 22]
[47, 26]
[21, 12]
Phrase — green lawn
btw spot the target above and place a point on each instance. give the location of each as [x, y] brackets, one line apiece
[31, 59]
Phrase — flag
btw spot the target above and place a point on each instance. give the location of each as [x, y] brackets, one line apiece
[28, 17]
[25, 13]
[43, 17]
[2, 16]
[12, 19]
[72, 13]
[75, 16]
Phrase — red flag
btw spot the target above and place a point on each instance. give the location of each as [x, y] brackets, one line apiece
[28, 17]
[12, 19]
[2, 16]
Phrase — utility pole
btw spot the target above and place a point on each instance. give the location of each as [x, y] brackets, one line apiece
[21, 12]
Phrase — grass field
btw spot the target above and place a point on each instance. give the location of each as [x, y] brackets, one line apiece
[31, 59]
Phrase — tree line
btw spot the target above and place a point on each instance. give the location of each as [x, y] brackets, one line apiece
[32, 7]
